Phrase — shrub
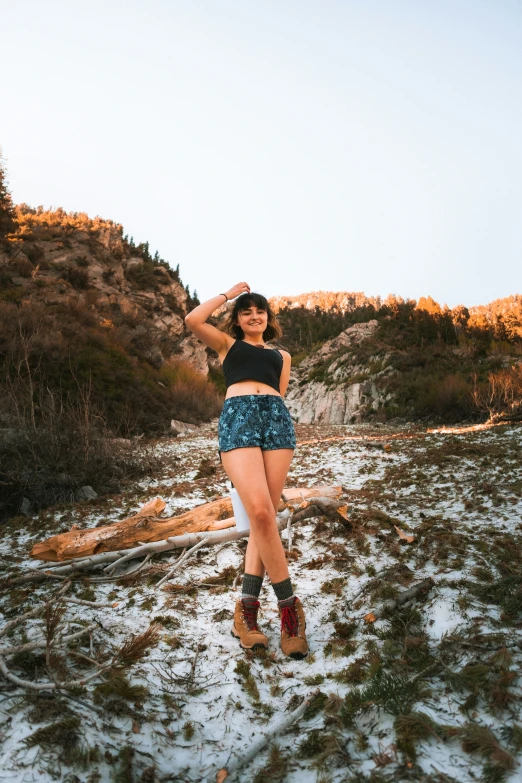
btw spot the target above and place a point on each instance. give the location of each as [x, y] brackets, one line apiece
[453, 398]
[142, 276]
[35, 254]
[53, 445]
[82, 261]
[70, 349]
[173, 304]
[77, 277]
[217, 377]
[7, 213]
[23, 267]
[501, 395]
[194, 396]
[11, 294]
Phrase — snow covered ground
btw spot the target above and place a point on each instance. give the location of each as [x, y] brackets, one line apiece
[427, 692]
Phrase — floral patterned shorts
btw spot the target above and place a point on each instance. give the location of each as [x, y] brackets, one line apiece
[255, 420]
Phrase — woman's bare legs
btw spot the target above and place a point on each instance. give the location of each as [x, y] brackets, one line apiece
[259, 477]
[277, 463]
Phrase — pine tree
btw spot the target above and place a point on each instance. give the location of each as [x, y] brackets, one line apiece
[7, 213]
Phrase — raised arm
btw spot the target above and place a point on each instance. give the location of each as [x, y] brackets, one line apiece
[208, 334]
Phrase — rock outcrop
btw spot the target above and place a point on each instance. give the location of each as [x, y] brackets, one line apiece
[331, 387]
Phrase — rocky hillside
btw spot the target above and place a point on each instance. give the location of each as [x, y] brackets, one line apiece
[84, 304]
[66, 259]
[415, 360]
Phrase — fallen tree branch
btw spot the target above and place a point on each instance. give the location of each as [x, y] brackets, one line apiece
[147, 525]
[415, 590]
[132, 570]
[131, 651]
[180, 561]
[314, 507]
[40, 644]
[368, 584]
[33, 612]
[276, 730]
[94, 604]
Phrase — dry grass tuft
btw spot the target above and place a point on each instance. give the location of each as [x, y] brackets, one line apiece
[275, 770]
[62, 735]
[480, 739]
[248, 682]
[134, 649]
[316, 706]
[119, 687]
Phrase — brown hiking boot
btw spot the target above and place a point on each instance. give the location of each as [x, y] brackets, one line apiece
[293, 624]
[245, 625]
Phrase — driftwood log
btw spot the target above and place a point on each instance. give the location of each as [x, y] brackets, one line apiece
[295, 511]
[147, 526]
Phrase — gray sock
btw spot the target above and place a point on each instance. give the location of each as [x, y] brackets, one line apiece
[251, 586]
[283, 590]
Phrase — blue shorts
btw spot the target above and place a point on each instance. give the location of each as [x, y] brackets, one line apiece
[255, 420]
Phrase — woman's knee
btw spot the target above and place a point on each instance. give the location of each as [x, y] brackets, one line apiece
[261, 513]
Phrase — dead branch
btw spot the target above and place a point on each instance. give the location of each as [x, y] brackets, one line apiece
[180, 561]
[94, 604]
[33, 612]
[131, 651]
[54, 638]
[49, 686]
[274, 731]
[415, 590]
[39, 645]
[370, 583]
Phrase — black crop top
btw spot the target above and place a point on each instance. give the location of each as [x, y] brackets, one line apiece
[246, 362]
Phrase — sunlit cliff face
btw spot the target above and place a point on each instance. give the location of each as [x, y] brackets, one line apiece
[253, 322]
[487, 425]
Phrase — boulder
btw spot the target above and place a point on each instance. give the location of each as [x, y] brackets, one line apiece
[86, 493]
[25, 507]
[182, 427]
[317, 403]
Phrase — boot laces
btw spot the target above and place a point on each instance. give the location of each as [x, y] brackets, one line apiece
[250, 615]
[290, 620]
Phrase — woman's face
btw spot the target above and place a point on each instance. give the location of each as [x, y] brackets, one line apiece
[252, 321]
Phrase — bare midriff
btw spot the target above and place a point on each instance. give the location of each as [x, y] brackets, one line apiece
[250, 387]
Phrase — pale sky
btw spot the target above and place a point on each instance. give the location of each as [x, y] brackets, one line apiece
[300, 146]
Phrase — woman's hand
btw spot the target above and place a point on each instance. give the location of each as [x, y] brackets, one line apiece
[236, 290]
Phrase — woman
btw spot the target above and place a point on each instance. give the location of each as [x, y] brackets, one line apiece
[256, 445]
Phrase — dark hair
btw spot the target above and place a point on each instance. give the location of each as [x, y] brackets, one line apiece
[243, 302]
